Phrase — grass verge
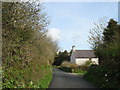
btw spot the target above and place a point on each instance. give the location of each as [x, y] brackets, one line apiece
[0, 77]
[45, 81]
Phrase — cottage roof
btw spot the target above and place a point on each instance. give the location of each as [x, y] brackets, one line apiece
[84, 53]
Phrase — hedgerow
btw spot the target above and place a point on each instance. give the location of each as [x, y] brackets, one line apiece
[26, 47]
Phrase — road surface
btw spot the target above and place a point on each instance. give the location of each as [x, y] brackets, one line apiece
[62, 79]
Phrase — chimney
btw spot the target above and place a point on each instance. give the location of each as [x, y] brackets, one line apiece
[73, 48]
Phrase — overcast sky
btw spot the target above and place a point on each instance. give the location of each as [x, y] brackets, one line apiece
[72, 21]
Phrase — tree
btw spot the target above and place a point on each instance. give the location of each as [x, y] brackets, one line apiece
[108, 51]
[104, 42]
[109, 32]
[96, 37]
[96, 34]
[62, 56]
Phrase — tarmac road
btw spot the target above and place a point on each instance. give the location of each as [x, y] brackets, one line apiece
[62, 79]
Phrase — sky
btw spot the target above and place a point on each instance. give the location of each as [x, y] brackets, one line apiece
[71, 21]
[119, 12]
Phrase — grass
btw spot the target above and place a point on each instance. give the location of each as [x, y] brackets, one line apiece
[79, 71]
[0, 77]
[45, 81]
[56, 66]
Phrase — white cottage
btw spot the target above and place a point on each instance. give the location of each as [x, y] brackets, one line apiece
[81, 56]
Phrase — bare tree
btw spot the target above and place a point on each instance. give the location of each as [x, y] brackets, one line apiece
[96, 34]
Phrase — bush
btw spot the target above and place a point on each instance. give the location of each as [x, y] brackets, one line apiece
[66, 69]
[88, 63]
[101, 77]
[73, 68]
[69, 64]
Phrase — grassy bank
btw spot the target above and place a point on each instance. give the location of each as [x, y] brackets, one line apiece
[0, 76]
[45, 81]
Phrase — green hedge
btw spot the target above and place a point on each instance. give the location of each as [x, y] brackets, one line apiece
[66, 69]
[102, 77]
[27, 52]
[20, 82]
[78, 70]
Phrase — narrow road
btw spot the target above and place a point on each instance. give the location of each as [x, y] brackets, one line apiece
[62, 79]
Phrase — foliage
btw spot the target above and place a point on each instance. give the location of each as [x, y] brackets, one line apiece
[26, 48]
[108, 52]
[66, 69]
[79, 71]
[69, 64]
[73, 68]
[88, 63]
[109, 32]
[60, 57]
[101, 77]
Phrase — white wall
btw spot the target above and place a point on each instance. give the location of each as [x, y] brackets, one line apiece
[81, 61]
[95, 61]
